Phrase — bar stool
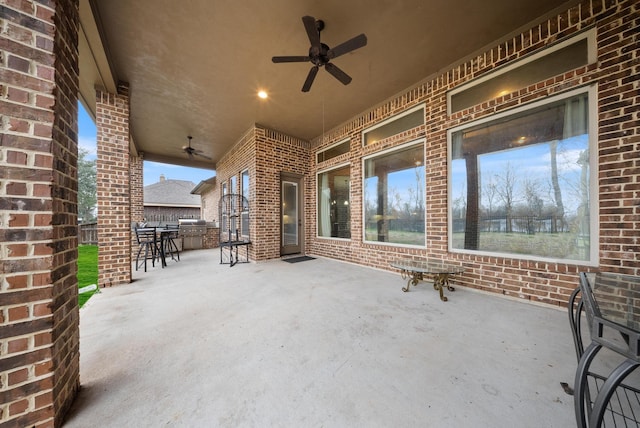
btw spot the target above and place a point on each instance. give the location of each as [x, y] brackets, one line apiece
[147, 246]
[170, 246]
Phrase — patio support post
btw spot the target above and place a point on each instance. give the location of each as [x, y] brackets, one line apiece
[113, 187]
[472, 228]
[39, 316]
[383, 214]
[136, 190]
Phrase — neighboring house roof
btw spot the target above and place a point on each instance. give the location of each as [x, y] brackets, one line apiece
[171, 193]
[204, 186]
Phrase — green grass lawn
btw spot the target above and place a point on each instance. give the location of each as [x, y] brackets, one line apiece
[87, 270]
[397, 237]
[554, 245]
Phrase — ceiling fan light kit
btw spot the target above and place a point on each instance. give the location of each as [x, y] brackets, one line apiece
[320, 54]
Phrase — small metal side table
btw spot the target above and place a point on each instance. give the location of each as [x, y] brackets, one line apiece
[415, 270]
[612, 306]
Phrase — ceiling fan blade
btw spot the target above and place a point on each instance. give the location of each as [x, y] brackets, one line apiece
[348, 46]
[202, 155]
[310, 77]
[338, 74]
[312, 31]
[278, 59]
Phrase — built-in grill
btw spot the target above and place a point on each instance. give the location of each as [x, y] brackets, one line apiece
[192, 232]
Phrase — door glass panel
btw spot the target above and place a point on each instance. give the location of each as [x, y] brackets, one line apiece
[289, 213]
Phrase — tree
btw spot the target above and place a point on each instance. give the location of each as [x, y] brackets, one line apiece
[534, 204]
[489, 193]
[460, 205]
[87, 196]
[506, 191]
[419, 170]
[532, 197]
[557, 192]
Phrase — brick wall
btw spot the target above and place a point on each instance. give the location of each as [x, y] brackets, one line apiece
[210, 200]
[616, 74]
[275, 153]
[113, 187]
[39, 333]
[618, 80]
[211, 238]
[265, 153]
[241, 157]
[136, 188]
[136, 193]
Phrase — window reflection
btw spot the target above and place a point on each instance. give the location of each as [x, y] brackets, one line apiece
[334, 208]
[520, 184]
[394, 197]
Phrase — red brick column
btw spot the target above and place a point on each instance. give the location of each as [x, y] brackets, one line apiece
[39, 359]
[136, 190]
[619, 138]
[113, 187]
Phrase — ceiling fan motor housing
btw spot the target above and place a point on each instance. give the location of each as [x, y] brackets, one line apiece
[319, 58]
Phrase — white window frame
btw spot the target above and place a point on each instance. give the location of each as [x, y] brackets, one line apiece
[594, 232]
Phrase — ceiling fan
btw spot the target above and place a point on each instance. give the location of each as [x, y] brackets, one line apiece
[321, 55]
[191, 151]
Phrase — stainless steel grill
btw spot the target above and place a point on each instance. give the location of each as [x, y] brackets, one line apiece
[192, 232]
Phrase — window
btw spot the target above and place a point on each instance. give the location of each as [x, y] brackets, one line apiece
[223, 217]
[555, 60]
[394, 195]
[395, 125]
[333, 151]
[245, 184]
[334, 210]
[233, 189]
[520, 182]
[233, 184]
[244, 215]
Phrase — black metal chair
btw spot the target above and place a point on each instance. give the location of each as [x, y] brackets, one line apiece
[624, 403]
[169, 242]
[147, 246]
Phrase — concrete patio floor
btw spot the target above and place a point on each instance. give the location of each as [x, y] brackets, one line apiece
[315, 344]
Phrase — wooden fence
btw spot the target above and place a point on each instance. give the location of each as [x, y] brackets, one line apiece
[88, 234]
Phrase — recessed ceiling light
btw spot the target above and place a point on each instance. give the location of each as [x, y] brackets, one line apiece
[263, 94]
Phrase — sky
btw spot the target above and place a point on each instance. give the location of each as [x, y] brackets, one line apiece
[152, 170]
[531, 162]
